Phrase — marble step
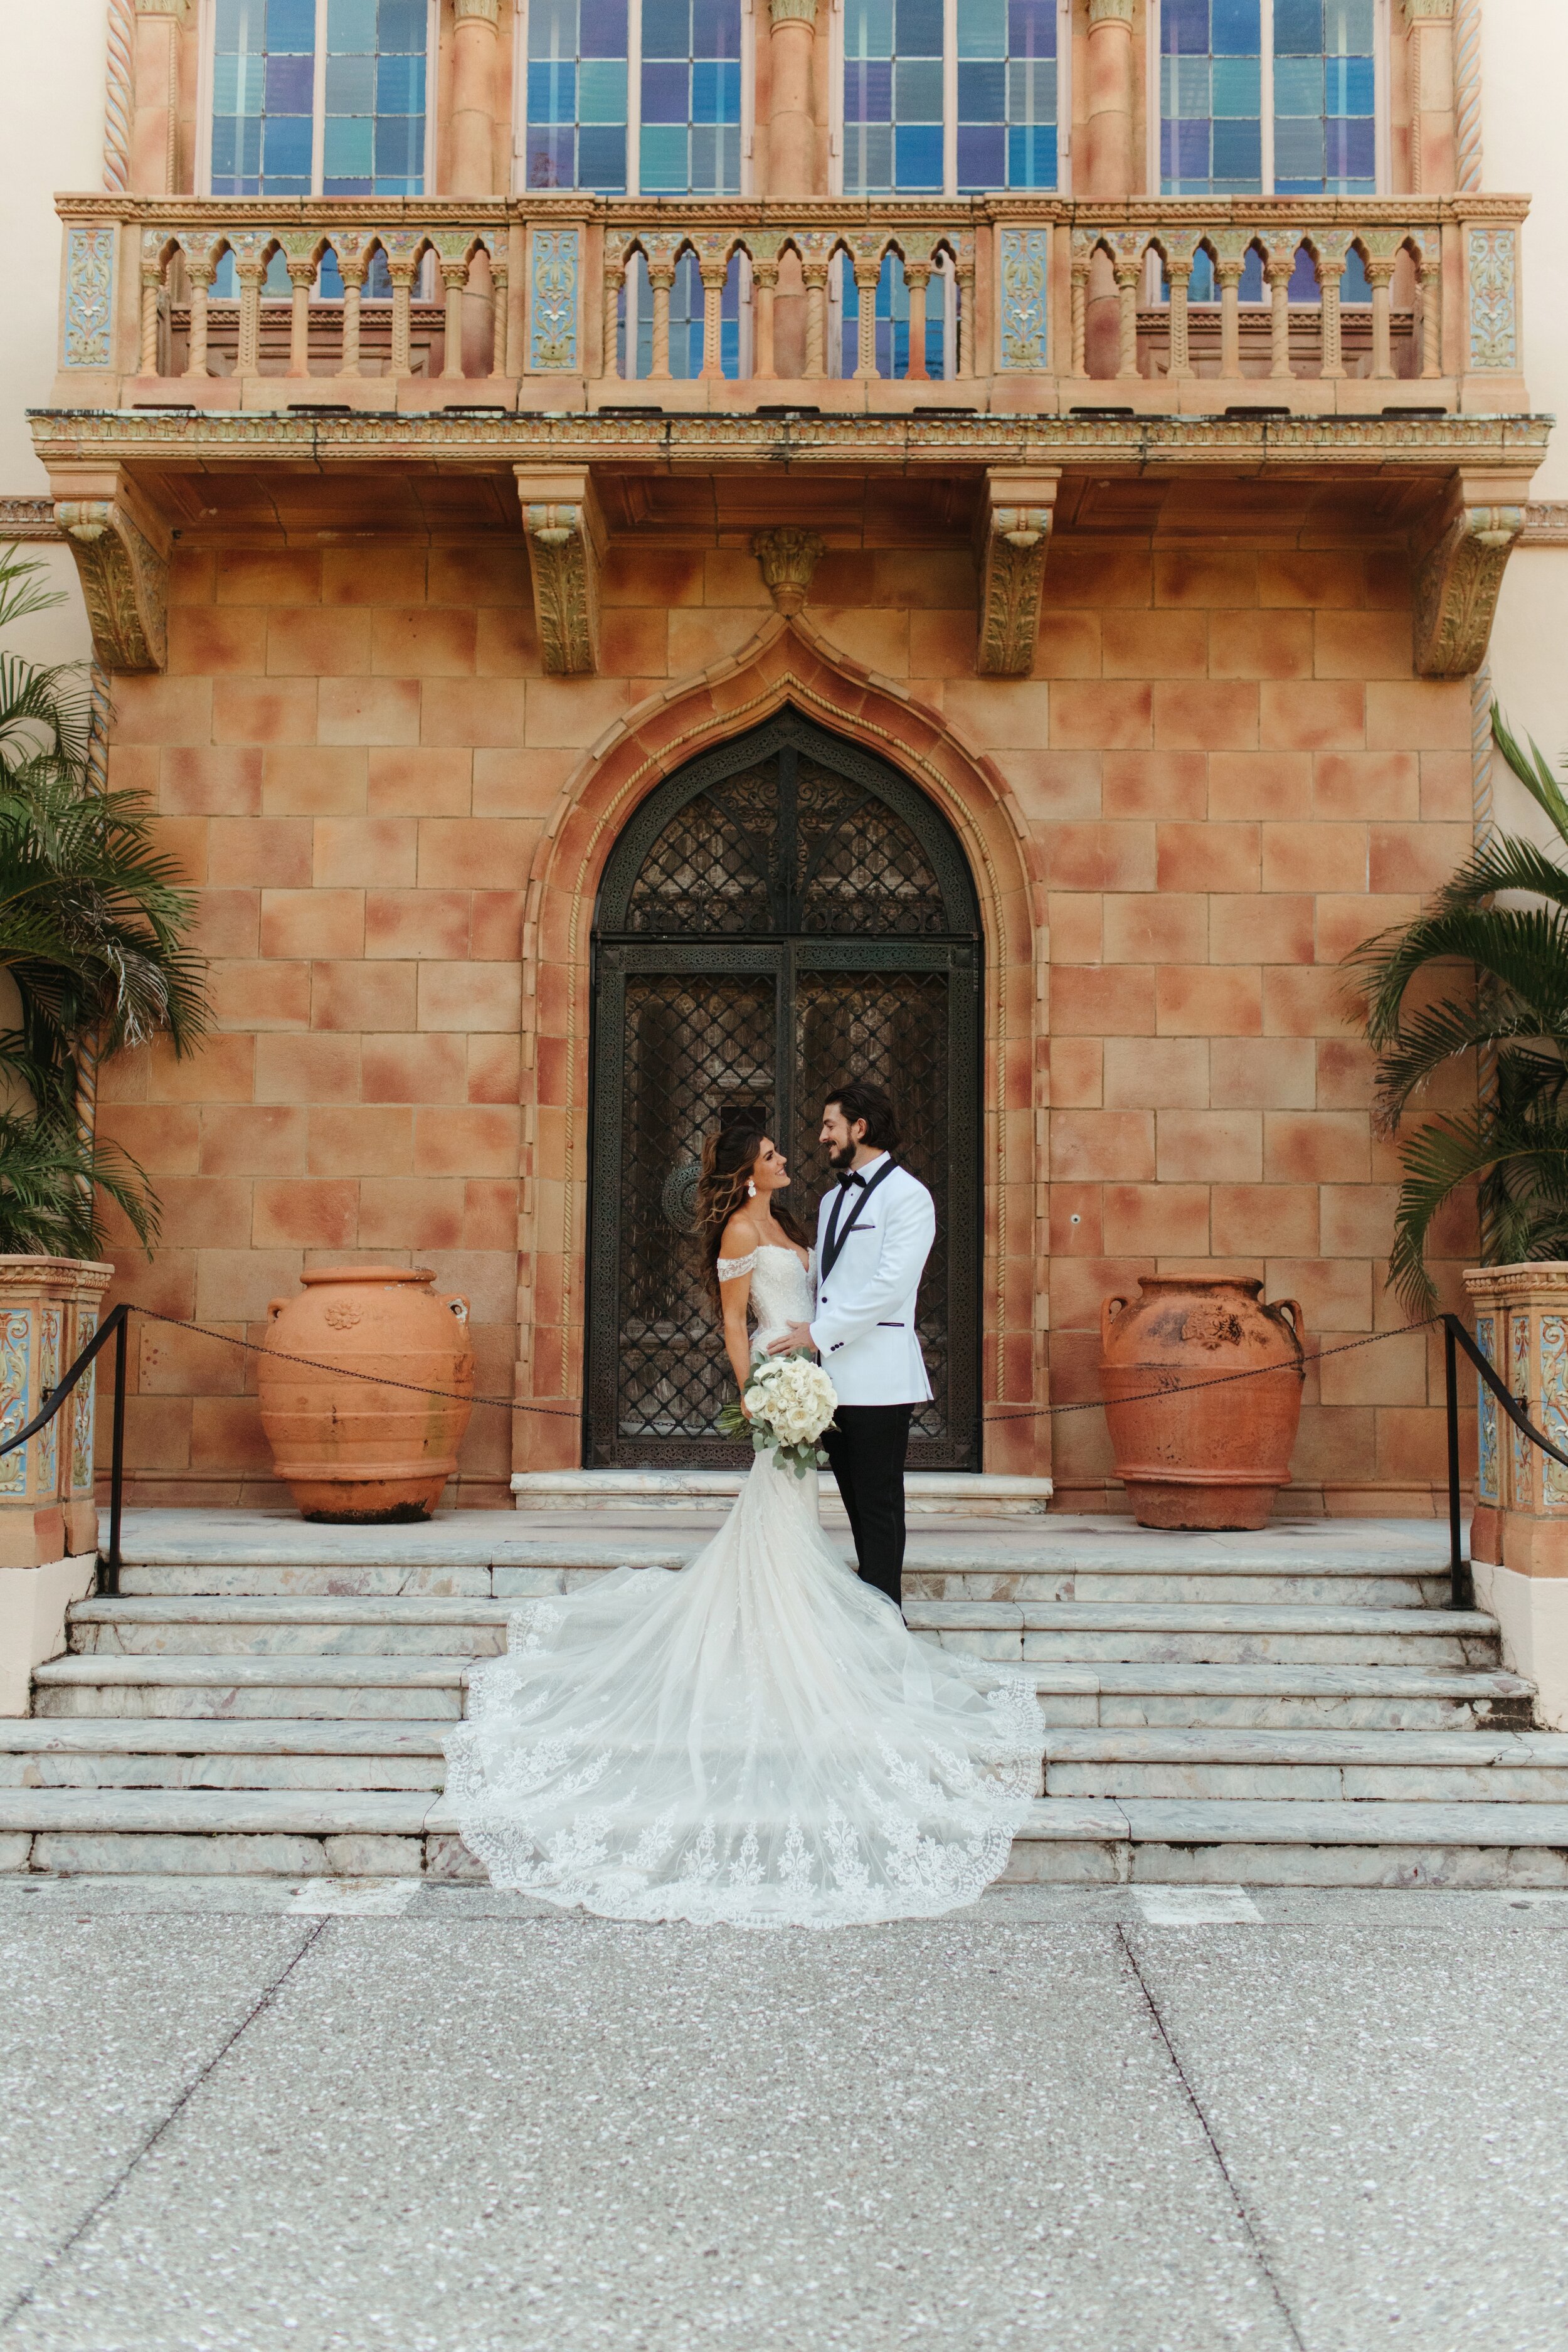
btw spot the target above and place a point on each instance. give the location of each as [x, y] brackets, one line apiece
[373, 1687]
[1303, 1766]
[1169, 1631]
[305, 1833]
[431, 1688]
[1205, 1633]
[174, 1752]
[939, 1493]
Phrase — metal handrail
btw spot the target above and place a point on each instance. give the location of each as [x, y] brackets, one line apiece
[1456, 1336]
[113, 1327]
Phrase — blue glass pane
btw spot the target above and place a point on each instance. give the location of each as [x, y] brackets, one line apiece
[602, 159]
[290, 85]
[716, 28]
[1236, 86]
[1351, 151]
[348, 149]
[1350, 86]
[1251, 286]
[667, 28]
[666, 93]
[982, 29]
[604, 33]
[1238, 152]
[551, 93]
[982, 95]
[286, 146]
[350, 85]
[919, 27]
[553, 28]
[331, 283]
[868, 93]
[1032, 157]
[868, 158]
[918, 156]
[351, 27]
[663, 154]
[1192, 150]
[1298, 86]
[239, 25]
[1297, 27]
[602, 92]
[1032, 90]
[1238, 28]
[917, 91]
[715, 93]
[548, 158]
[399, 146]
[400, 86]
[402, 25]
[1298, 148]
[1347, 28]
[1184, 27]
[982, 155]
[1356, 286]
[868, 29]
[292, 25]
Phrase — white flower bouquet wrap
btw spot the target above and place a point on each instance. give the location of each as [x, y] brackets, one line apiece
[789, 1401]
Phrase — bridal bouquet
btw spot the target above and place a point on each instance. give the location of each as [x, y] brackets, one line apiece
[790, 1401]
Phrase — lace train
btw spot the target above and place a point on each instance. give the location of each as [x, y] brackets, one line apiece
[757, 1740]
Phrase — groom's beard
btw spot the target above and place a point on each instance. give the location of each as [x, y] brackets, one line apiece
[843, 1159]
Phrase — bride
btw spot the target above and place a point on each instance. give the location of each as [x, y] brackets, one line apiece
[756, 1740]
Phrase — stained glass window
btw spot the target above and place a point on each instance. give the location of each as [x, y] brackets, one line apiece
[896, 96]
[576, 135]
[319, 97]
[1300, 71]
[690, 139]
[584, 74]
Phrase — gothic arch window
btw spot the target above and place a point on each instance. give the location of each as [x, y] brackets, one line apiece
[782, 913]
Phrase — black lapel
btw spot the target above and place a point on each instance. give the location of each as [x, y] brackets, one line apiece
[836, 1241]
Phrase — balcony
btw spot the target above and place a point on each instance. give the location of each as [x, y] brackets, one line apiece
[1025, 304]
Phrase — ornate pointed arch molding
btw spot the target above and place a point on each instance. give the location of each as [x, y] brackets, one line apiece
[786, 662]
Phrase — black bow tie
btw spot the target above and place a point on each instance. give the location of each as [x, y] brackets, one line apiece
[849, 1176]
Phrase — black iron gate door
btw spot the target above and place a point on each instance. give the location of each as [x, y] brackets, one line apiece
[781, 915]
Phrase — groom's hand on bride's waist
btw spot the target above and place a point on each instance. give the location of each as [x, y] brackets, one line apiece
[799, 1335]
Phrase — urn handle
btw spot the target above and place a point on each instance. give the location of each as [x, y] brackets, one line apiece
[1292, 1308]
[275, 1308]
[458, 1306]
[1109, 1309]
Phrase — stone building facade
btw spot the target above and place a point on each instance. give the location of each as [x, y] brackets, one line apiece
[1147, 525]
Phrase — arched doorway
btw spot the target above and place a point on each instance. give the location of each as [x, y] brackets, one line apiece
[780, 913]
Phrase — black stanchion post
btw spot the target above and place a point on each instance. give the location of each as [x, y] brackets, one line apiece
[117, 1457]
[1460, 1595]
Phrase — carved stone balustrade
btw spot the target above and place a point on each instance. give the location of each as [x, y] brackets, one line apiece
[1309, 304]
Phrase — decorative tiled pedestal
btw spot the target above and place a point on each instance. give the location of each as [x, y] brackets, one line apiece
[48, 1519]
[1519, 1539]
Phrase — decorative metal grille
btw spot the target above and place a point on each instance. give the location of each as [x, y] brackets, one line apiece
[778, 916]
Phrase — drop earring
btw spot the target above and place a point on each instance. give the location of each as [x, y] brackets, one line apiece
[751, 1192]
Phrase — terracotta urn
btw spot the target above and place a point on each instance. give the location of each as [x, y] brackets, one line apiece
[357, 1448]
[1216, 1456]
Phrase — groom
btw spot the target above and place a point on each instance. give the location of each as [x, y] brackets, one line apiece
[874, 1233]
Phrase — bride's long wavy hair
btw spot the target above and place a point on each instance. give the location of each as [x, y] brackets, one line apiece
[729, 1156]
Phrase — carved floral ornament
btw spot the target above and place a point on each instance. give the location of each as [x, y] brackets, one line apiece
[1013, 537]
[125, 581]
[787, 559]
[565, 535]
[1457, 587]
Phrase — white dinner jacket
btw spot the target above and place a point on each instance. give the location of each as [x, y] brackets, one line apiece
[864, 1324]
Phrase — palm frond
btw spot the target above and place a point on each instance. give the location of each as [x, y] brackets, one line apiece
[1532, 773]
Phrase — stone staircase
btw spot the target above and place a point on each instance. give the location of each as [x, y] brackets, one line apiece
[1295, 1707]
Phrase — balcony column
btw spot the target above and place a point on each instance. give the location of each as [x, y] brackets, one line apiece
[1128, 273]
[200, 275]
[917, 277]
[1333, 253]
[661, 279]
[816, 277]
[454, 278]
[151, 286]
[1429, 278]
[301, 278]
[965, 273]
[1229, 275]
[472, 171]
[867, 278]
[1381, 273]
[154, 144]
[1108, 128]
[1179, 272]
[713, 276]
[402, 273]
[1278, 271]
[1429, 78]
[250, 273]
[615, 279]
[764, 286]
[791, 126]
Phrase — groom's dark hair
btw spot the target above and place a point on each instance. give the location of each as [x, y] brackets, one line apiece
[860, 1100]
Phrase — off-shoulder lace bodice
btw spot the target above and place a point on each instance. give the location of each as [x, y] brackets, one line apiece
[783, 1290]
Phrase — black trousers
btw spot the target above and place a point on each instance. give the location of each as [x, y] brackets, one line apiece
[866, 1450]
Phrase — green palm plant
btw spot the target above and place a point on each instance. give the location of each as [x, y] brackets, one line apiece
[92, 927]
[1501, 1009]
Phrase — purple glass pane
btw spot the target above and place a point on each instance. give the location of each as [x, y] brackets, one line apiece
[289, 85]
[1192, 150]
[1031, 28]
[982, 155]
[716, 28]
[550, 160]
[1184, 28]
[1352, 150]
[868, 92]
[666, 93]
[604, 28]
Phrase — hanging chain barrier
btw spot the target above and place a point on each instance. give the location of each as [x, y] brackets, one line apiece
[1454, 1337]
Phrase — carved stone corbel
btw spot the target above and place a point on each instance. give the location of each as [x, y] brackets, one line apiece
[1011, 536]
[566, 534]
[122, 556]
[1459, 574]
[787, 559]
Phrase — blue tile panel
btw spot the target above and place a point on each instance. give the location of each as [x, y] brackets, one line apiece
[1216, 90]
[893, 91]
[264, 87]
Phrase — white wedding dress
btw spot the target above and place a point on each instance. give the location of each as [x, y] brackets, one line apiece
[756, 1740]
